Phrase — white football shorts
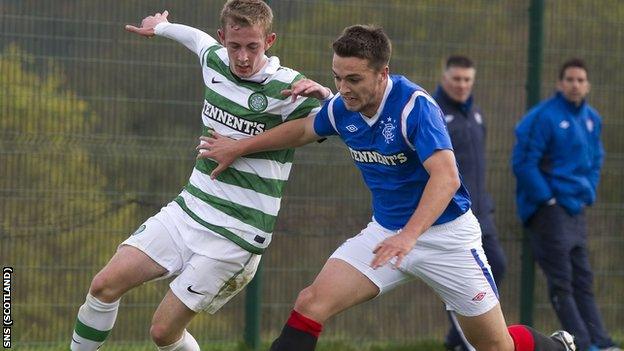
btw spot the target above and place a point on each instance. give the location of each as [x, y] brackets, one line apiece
[203, 282]
[448, 257]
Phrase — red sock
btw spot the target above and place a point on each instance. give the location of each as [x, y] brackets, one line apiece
[305, 324]
[522, 338]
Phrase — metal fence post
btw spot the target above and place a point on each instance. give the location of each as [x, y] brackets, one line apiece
[533, 85]
[253, 300]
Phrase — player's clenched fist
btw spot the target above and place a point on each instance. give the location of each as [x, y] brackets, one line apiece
[148, 24]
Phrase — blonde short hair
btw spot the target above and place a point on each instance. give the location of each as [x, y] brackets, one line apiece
[247, 13]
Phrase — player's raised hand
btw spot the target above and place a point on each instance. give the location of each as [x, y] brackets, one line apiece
[221, 149]
[398, 246]
[148, 24]
[307, 88]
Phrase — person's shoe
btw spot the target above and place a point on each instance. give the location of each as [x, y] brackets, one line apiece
[565, 338]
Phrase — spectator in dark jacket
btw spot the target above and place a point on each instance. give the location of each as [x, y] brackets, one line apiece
[557, 160]
[467, 130]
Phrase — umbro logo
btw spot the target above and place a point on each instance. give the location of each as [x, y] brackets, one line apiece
[190, 289]
[564, 124]
[478, 297]
[351, 128]
[214, 81]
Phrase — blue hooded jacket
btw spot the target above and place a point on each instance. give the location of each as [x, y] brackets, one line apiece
[558, 154]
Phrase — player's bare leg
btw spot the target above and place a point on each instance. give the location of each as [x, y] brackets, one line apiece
[169, 325]
[489, 332]
[336, 288]
[128, 268]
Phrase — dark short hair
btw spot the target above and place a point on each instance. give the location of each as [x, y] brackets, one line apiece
[459, 61]
[573, 62]
[366, 42]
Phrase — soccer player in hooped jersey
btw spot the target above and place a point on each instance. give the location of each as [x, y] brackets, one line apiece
[211, 237]
[422, 225]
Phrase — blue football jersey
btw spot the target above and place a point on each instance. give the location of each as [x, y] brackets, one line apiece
[390, 148]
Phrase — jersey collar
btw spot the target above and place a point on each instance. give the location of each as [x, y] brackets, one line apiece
[270, 67]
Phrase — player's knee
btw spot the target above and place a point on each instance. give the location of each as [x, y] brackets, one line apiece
[309, 305]
[161, 335]
[102, 289]
[305, 299]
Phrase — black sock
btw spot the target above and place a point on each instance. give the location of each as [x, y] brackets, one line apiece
[545, 343]
[292, 339]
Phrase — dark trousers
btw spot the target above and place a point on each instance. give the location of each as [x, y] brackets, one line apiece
[498, 262]
[559, 242]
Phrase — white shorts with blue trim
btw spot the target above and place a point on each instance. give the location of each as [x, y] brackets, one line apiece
[448, 257]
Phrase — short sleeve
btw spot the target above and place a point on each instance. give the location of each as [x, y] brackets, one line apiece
[426, 129]
[324, 123]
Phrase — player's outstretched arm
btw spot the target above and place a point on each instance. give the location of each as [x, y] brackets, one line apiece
[158, 24]
[225, 150]
[440, 188]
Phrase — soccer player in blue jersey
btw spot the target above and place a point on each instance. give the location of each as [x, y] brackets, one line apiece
[422, 224]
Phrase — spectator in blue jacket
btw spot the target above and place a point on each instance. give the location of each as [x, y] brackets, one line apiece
[556, 160]
[466, 128]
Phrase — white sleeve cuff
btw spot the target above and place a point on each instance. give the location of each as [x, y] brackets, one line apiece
[330, 96]
[160, 27]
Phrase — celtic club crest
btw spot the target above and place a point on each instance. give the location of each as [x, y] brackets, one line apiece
[257, 102]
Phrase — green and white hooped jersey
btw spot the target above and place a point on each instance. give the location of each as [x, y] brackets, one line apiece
[243, 202]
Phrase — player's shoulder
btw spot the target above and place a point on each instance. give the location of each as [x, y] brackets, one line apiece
[287, 75]
[409, 90]
[401, 83]
[214, 56]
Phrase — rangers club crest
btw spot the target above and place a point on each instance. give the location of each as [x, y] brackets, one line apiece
[257, 102]
[388, 130]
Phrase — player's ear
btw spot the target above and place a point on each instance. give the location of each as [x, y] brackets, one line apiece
[270, 40]
[383, 74]
[221, 36]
